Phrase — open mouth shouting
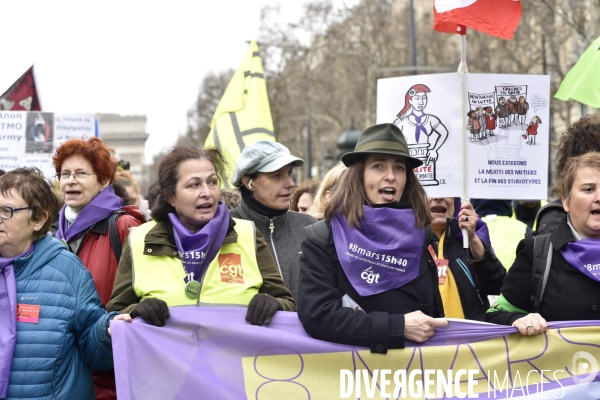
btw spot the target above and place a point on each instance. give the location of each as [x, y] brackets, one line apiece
[438, 210]
[72, 194]
[205, 208]
[388, 193]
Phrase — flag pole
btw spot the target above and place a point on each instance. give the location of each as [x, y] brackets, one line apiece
[463, 71]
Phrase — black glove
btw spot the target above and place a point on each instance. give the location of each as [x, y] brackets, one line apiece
[153, 311]
[261, 309]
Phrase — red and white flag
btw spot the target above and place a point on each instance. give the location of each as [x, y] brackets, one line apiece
[495, 17]
[22, 95]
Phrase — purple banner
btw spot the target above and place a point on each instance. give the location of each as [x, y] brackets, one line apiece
[213, 353]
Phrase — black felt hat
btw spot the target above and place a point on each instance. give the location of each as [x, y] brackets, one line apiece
[381, 139]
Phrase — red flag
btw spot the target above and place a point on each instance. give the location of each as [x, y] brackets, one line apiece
[22, 95]
[495, 17]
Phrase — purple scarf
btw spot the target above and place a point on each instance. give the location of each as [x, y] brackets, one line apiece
[481, 229]
[8, 316]
[584, 255]
[419, 127]
[197, 250]
[101, 207]
[384, 254]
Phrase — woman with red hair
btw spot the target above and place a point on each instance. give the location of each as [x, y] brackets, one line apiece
[418, 127]
[85, 172]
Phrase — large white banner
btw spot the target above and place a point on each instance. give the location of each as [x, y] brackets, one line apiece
[30, 138]
[12, 139]
[505, 125]
[427, 109]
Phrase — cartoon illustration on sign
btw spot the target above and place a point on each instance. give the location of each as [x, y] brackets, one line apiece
[532, 130]
[522, 109]
[424, 133]
[503, 111]
[468, 131]
[474, 126]
[490, 121]
[479, 111]
[512, 106]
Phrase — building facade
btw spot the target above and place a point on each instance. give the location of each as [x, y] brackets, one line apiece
[126, 135]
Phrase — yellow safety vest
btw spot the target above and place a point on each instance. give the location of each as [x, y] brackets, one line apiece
[232, 277]
[505, 234]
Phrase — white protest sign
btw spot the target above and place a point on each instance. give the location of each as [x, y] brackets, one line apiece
[505, 129]
[41, 161]
[73, 126]
[509, 158]
[12, 139]
[31, 138]
[428, 111]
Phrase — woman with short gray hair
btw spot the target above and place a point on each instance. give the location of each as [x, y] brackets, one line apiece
[264, 175]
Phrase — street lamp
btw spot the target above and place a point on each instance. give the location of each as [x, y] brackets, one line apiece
[346, 142]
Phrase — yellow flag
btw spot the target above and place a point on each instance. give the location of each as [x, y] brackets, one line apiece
[243, 115]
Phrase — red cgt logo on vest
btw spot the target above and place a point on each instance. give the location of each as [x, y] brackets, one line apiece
[230, 267]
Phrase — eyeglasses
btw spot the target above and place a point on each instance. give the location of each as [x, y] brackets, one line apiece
[79, 175]
[7, 212]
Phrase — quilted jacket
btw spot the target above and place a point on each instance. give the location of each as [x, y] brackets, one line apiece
[53, 358]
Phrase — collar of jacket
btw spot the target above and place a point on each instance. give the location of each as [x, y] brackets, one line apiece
[162, 241]
[45, 250]
[259, 219]
[562, 235]
[450, 231]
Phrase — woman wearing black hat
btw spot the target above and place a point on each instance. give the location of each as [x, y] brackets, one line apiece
[365, 277]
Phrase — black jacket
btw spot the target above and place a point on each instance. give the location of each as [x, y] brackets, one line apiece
[486, 274]
[570, 295]
[323, 283]
[548, 217]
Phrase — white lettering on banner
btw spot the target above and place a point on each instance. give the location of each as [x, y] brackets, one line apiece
[11, 125]
[11, 115]
[370, 276]
[11, 137]
[419, 383]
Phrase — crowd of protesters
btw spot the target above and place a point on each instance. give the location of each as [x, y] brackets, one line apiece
[372, 265]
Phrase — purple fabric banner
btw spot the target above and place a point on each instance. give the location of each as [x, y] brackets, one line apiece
[213, 353]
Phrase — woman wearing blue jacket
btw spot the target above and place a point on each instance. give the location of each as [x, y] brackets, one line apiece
[53, 329]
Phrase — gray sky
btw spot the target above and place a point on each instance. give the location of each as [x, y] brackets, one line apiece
[127, 57]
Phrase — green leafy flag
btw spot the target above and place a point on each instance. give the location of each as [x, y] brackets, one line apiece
[582, 83]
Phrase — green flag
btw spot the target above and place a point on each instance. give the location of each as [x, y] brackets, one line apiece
[582, 83]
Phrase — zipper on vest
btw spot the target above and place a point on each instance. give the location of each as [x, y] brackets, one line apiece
[201, 284]
[272, 228]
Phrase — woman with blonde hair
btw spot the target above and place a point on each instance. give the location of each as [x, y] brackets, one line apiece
[328, 187]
